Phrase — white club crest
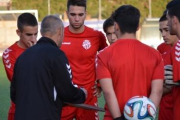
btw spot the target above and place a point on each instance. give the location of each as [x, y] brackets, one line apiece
[86, 44]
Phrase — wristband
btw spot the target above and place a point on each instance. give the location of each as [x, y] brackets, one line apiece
[119, 118]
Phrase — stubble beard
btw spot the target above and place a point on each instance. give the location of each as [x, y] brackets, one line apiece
[77, 27]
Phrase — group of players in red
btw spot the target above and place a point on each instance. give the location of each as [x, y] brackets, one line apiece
[170, 29]
[126, 68]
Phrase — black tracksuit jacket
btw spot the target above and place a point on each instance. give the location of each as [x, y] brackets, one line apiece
[42, 82]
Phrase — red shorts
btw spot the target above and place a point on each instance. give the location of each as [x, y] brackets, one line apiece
[166, 107]
[11, 112]
[68, 113]
[176, 98]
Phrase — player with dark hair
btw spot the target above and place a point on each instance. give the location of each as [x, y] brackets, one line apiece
[163, 47]
[166, 104]
[81, 45]
[81, 3]
[108, 27]
[27, 32]
[128, 67]
[169, 40]
[173, 16]
[42, 77]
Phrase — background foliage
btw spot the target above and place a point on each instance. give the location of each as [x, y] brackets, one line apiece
[108, 6]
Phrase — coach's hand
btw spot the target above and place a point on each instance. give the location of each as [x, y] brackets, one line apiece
[97, 91]
[168, 72]
[31, 43]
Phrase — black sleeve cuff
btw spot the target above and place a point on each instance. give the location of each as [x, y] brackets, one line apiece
[119, 118]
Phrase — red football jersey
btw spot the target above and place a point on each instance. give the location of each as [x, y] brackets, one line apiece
[166, 107]
[81, 50]
[165, 51]
[175, 56]
[163, 48]
[132, 66]
[9, 57]
[166, 104]
[176, 103]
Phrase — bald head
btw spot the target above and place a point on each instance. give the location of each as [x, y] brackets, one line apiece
[53, 28]
[50, 24]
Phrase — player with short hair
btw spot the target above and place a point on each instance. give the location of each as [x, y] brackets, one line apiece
[128, 67]
[81, 45]
[166, 104]
[108, 27]
[27, 31]
[173, 16]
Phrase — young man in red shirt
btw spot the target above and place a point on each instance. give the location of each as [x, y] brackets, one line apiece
[128, 67]
[81, 45]
[27, 32]
[173, 16]
[166, 104]
[108, 27]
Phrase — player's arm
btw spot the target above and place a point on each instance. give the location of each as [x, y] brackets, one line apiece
[157, 81]
[110, 97]
[8, 62]
[97, 88]
[104, 78]
[66, 91]
[13, 91]
[156, 91]
[102, 43]
[13, 86]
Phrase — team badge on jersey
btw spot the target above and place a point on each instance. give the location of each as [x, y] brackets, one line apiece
[86, 44]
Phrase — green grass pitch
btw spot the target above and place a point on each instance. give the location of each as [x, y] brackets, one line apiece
[4, 93]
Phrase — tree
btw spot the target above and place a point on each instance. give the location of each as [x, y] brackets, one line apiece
[108, 6]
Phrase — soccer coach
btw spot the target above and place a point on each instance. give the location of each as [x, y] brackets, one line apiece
[42, 77]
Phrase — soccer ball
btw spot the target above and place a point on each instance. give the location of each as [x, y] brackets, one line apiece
[139, 108]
